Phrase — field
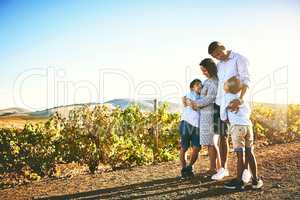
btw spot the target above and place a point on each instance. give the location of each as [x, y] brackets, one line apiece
[20, 121]
[131, 153]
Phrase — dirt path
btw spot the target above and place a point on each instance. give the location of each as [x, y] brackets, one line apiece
[278, 165]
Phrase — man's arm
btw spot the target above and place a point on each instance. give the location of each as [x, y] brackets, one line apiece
[234, 104]
[243, 91]
[242, 67]
[223, 110]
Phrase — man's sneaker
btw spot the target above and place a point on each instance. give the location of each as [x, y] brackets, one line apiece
[235, 184]
[257, 183]
[220, 174]
[246, 177]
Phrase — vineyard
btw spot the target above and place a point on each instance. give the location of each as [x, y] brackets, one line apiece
[99, 136]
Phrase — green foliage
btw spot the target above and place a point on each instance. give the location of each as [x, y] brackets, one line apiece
[119, 138]
[27, 151]
[276, 124]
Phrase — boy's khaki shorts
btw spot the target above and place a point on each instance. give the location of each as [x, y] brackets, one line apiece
[242, 137]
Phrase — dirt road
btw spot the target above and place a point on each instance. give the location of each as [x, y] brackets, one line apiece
[279, 167]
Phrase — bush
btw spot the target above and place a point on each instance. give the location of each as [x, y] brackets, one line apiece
[119, 138]
[276, 124]
[30, 150]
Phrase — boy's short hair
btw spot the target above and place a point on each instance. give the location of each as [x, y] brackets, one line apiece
[234, 85]
[213, 46]
[194, 82]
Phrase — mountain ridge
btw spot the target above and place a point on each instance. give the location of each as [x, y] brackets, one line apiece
[147, 105]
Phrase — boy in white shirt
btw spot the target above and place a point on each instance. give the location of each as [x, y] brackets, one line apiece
[189, 130]
[241, 134]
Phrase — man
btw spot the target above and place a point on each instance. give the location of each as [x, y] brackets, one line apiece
[230, 64]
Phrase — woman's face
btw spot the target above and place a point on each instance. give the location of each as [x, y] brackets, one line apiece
[205, 72]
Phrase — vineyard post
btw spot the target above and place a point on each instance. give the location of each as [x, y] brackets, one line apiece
[155, 132]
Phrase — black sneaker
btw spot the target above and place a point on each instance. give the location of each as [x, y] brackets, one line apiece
[235, 184]
[186, 173]
[257, 183]
[189, 171]
[183, 173]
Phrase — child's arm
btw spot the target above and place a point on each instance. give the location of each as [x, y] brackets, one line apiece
[193, 103]
[208, 98]
[184, 101]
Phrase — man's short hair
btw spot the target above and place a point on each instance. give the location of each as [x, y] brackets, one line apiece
[194, 82]
[213, 46]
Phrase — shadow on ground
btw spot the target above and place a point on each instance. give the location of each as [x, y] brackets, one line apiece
[198, 187]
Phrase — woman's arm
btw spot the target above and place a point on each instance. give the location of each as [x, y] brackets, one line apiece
[212, 90]
[192, 104]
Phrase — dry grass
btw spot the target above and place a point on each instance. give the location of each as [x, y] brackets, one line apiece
[19, 121]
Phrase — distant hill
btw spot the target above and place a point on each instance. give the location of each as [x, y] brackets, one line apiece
[64, 110]
[14, 111]
[146, 105]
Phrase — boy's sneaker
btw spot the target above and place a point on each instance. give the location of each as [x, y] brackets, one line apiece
[257, 183]
[183, 173]
[246, 177]
[187, 172]
[235, 184]
[220, 174]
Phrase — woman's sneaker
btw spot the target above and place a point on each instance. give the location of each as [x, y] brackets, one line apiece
[246, 177]
[220, 174]
[235, 184]
[257, 183]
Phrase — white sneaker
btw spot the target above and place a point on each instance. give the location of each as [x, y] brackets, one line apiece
[246, 177]
[257, 184]
[220, 174]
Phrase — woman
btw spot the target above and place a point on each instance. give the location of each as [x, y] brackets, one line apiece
[206, 106]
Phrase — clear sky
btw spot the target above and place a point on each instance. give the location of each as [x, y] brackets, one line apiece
[60, 52]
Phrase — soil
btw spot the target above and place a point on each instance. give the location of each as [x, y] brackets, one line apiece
[278, 166]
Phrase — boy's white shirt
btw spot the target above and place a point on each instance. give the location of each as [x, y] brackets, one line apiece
[242, 117]
[188, 114]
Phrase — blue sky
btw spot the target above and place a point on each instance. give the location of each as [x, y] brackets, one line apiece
[153, 43]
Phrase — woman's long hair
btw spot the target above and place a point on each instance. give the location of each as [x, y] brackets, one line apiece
[210, 66]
